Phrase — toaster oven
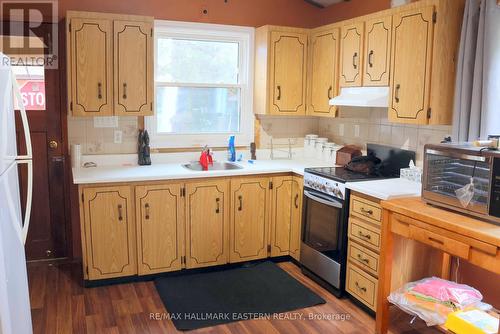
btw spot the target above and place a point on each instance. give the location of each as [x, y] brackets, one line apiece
[464, 178]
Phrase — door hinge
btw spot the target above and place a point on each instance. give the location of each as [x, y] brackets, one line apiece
[434, 17]
[71, 106]
[269, 248]
[429, 111]
[183, 192]
[70, 27]
[87, 270]
[183, 259]
[270, 187]
[82, 198]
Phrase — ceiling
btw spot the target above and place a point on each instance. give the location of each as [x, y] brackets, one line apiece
[324, 3]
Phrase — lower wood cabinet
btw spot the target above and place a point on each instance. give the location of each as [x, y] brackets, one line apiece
[207, 223]
[250, 207]
[160, 228]
[146, 228]
[109, 232]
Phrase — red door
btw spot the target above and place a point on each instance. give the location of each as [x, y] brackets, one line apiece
[41, 92]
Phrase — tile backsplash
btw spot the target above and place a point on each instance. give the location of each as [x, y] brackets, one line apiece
[370, 125]
[353, 126]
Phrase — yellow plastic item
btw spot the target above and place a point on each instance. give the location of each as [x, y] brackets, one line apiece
[471, 322]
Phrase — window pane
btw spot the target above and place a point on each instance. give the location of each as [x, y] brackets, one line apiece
[194, 110]
[31, 81]
[193, 61]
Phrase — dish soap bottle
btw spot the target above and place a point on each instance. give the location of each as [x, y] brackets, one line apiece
[231, 150]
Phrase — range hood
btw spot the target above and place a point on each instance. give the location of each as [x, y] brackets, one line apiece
[362, 97]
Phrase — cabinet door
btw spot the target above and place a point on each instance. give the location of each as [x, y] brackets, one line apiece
[207, 223]
[323, 81]
[249, 218]
[109, 232]
[281, 215]
[412, 40]
[160, 224]
[351, 54]
[288, 73]
[296, 221]
[91, 67]
[377, 52]
[133, 73]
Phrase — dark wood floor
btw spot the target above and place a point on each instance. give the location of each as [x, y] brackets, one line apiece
[60, 304]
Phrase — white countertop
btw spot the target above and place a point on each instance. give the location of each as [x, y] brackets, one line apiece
[387, 189]
[174, 170]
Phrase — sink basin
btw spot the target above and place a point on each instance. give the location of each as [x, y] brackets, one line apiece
[196, 166]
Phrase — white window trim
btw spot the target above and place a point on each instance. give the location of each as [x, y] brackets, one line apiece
[245, 37]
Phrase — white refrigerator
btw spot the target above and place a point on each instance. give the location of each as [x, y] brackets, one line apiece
[15, 313]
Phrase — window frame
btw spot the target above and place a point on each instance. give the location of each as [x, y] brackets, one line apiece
[245, 37]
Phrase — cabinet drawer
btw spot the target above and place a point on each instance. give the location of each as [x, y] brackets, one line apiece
[363, 257]
[447, 245]
[364, 233]
[362, 286]
[364, 208]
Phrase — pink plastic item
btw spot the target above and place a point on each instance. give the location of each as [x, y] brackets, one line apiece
[446, 291]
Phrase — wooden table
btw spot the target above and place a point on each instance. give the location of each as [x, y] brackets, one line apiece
[419, 240]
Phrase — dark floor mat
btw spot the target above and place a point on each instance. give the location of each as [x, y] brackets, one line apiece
[209, 299]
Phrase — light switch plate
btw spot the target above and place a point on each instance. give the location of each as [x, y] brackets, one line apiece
[118, 136]
[106, 122]
[356, 130]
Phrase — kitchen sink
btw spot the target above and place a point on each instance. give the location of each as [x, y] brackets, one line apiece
[196, 166]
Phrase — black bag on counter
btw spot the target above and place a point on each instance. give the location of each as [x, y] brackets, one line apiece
[367, 164]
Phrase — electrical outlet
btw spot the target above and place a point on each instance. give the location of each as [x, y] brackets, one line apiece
[341, 129]
[356, 130]
[118, 136]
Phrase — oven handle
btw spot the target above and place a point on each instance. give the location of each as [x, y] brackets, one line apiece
[333, 203]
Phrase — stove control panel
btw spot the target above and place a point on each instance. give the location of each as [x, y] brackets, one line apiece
[324, 185]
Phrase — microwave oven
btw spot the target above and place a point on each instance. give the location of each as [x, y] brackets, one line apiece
[464, 178]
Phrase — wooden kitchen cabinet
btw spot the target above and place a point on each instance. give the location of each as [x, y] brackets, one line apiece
[250, 205]
[286, 216]
[296, 221]
[108, 234]
[110, 62]
[377, 51]
[280, 71]
[160, 228]
[133, 74]
[91, 66]
[412, 43]
[323, 72]
[207, 223]
[351, 54]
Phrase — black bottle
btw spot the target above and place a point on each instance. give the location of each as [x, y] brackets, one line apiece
[144, 151]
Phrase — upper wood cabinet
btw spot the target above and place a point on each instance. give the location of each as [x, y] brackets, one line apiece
[207, 223]
[133, 73]
[323, 72]
[412, 43]
[91, 67]
[250, 207]
[108, 232]
[351, 54]
[280, 71]
[110, 69]
[377, 51]
[160, 228]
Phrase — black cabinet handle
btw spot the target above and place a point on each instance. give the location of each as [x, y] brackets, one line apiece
[120, 212]
[217, 201]
[99, 90]
[330, 92]
[370, 56]
[279, 93]
[354, 56]
[396, 93]
[146, 206]
[125, 90]
[296, 201]
[240, 198]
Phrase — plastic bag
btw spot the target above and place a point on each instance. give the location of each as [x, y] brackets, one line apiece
[466, 193]
[432, 299]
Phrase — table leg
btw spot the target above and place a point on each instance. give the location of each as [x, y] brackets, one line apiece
[384, 287]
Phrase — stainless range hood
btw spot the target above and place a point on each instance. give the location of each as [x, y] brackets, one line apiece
[362, 97]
